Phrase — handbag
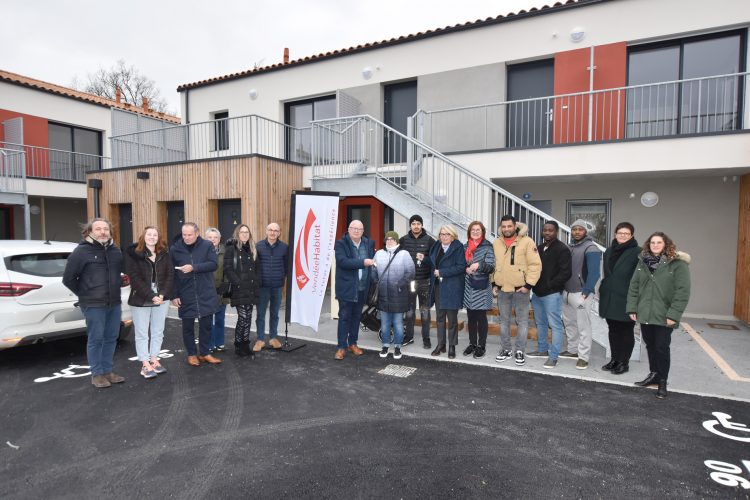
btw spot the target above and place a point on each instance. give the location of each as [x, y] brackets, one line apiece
[479, 283]
[371, 319]
[224, 289]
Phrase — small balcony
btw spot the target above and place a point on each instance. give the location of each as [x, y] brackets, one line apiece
[51, 164]
[696, 106]
[226, 137]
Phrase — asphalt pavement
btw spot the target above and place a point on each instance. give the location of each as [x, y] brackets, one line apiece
[302, 425]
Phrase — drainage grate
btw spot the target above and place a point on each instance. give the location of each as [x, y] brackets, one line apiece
[398, 371]
[722, 326]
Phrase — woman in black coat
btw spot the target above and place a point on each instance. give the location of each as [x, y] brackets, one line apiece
[620, 260]
[151, 273]
[240, 268]
[448, 263]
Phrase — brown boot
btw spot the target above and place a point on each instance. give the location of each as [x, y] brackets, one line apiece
[100, 381]
[356, 350]
[114, 378]
[340, 354]
[193, 361]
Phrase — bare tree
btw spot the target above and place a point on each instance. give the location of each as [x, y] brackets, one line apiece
[133, 85]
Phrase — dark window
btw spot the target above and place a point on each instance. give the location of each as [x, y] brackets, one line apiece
[74, 151]
[662, 106]
[49, 265]
[299, 114]
[221, 131]
[399, 104]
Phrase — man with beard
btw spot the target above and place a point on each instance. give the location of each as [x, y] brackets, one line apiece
[547, 298]
[418, 243]
[93, 273]
[517, 270]
[579, 293]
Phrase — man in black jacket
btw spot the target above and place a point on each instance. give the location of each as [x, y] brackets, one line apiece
[418, 243]
[547, 298]
[194, 293]
[273, 263]
[93, 273]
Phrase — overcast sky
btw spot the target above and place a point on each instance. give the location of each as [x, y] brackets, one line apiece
[175, 42]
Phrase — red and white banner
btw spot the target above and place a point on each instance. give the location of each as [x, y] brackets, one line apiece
[315, 217]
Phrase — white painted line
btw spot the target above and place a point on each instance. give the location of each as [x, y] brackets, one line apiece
[725, 368]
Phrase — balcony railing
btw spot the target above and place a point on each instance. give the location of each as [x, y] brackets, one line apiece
[242, 135]
[690, 106]
[12, 171]
[56, 164]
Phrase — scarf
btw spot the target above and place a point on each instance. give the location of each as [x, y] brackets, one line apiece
[470, 248]
[617, 251]
[652, 261]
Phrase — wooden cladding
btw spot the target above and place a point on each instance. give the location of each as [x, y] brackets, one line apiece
[263, 185]
[742, 287]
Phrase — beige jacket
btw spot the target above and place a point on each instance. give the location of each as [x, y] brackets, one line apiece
[519, 265]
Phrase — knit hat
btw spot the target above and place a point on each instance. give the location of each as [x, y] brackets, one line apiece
[582, 223]
[417, 218]
[391, 234]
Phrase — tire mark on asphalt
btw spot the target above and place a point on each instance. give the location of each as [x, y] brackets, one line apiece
[229, 434]
[211, 466]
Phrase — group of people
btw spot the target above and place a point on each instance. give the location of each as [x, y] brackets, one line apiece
[199, 276]
[648, 285]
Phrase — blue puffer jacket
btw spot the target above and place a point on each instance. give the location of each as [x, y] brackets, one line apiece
[195, 290]
[273, 262]
[393, 285]
[348, 264]
[92, 272]
[452, 269]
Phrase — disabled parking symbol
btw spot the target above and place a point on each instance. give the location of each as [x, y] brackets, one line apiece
[722, 426]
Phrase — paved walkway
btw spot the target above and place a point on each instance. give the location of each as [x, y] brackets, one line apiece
[706, 360]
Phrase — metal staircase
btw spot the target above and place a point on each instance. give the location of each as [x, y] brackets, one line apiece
[361, 156]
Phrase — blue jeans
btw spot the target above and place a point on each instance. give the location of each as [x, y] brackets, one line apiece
[349, 315]
[217, 328]
[506, 302]
[395, 320]
[547, 313]
[145, 318]
[272, 295]
[204, 335]
[102, 328]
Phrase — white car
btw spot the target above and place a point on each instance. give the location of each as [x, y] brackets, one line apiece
[35, 306]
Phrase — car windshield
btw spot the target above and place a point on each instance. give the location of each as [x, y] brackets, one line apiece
[49, 265]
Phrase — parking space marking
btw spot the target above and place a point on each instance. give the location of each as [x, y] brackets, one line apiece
[720, 362]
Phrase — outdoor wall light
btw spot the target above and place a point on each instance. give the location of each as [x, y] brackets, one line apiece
[649, 199]
[577, 34]
[35, 210]
[253, 94]
[367, 72]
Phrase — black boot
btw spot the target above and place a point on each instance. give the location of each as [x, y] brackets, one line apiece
[452, 352]
[649, 380]
[661, 392]
[243, 349]
[620, 368]
[479, 351]
[609, 365]
[438, 350]
[469, 349]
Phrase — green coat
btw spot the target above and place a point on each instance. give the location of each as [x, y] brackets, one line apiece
[661, 295]
[613, 290]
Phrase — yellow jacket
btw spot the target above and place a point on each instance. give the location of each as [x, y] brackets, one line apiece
[519, 265]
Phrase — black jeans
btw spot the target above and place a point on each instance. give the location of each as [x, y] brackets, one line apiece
[204, 334]
[423, 289]
[657, 338]
[477, 325]
[621, 339]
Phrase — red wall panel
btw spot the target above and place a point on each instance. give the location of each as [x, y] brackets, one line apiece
[35, 133]
[377, 217]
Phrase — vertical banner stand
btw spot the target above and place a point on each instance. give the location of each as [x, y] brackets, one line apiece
[289, 346]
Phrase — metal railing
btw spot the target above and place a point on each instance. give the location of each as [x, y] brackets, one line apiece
[56, 164]
[12, 171]
[689, 106]
[361, 145]
[242, 135]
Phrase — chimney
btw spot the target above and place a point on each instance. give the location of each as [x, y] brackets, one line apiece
[118, 95]
[286, 55]
[145, 103]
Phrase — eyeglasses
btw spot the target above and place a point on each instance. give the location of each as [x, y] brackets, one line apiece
[356, 228]
[445, 234]
[623, 233]
[244, 232]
